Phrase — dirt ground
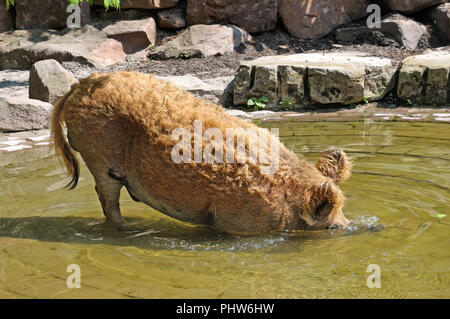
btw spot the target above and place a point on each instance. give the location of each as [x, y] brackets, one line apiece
[275, 42]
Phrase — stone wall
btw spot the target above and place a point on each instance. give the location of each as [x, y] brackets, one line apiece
[305, 19]
[324, 79]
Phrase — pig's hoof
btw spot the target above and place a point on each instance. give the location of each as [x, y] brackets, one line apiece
[115, 222]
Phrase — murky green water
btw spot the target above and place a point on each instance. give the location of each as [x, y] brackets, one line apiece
[401, 181]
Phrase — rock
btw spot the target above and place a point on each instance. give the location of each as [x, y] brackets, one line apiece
[202, 41]
[350, 34]
[312, 19]
[411, 6]
[216, 90]
[304, 79]
[14, 83]
[251, 15]
[142, 4]
[135, 35]
[6, 22]
[171, 18]
[264, 78]
[20, 114]
[22, 48]
[46, 14]
[49, 81]
[425, 79]
[361, 34]
[441, 18]
[406, 31]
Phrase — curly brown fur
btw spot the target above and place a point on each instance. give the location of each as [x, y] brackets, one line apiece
[121, 123]
[335, 164]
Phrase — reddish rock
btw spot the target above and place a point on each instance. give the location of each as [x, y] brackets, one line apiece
[251, 15]
[46, 14]
[21, 48]
[135, 35]
[312, 19]
[143, 4]
[109, 51]
[6, 23]
[411, 6]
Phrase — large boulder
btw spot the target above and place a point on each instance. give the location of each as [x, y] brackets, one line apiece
[142, 4]
[46, 14]
[311, 19]
[6, 22]
[22, 48]
[315, 78]
[202, 41]
[411, 6]
[406, 31]
[135, 35]
[441, 18]
[21, 114]
[251, 15]
[424, 79]
[49, 81]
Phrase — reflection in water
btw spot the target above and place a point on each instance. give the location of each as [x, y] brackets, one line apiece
[161, 234]
[400, 184]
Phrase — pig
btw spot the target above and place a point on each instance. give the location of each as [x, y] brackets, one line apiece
[122, 124]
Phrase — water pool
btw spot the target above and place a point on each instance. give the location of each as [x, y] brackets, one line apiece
[400, 185]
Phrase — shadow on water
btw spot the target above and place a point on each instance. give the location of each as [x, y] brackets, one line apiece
[164, 234]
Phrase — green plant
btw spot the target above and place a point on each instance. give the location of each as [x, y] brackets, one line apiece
[410, 102]
[287, 103]
[257, 103]
[106, 3]
[9, 3]
[184, 55]
[367, 100]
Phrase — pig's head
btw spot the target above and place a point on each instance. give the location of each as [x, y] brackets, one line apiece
[322, 203]
[322, 207]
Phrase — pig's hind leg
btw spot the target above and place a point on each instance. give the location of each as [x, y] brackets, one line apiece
[108, 191]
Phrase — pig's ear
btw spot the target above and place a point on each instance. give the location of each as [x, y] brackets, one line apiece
[320, 200]
[335, 164]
